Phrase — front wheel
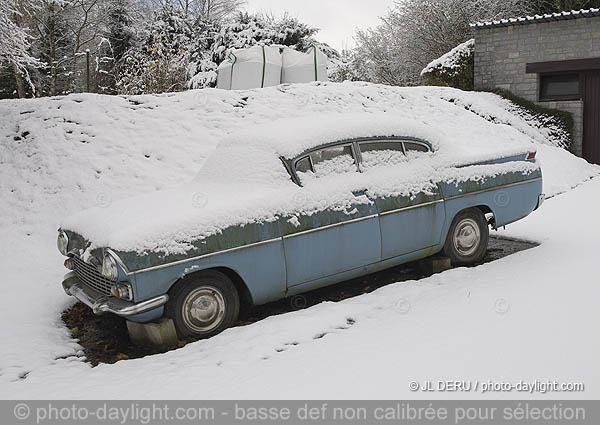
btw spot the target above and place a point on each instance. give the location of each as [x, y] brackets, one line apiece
[467, 238]
[203, 305]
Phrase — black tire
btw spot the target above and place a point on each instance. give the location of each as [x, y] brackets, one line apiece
[467, 239]
[203, 305]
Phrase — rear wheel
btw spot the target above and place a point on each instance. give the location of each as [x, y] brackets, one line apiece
[203, 305]
[467, 238]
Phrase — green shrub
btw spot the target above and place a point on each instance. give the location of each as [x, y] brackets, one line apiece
[454, 69]
[550, 118]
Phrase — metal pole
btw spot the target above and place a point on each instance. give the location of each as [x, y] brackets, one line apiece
[87, 74]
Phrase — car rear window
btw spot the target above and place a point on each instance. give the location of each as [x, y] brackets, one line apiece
[389, 152]
[415, 150]
[415, 147]
[381, 152]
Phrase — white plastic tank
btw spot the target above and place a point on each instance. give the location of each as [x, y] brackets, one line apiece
[256, 67]
[299, 67]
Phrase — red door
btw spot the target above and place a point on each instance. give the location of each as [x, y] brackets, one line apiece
[591, 117]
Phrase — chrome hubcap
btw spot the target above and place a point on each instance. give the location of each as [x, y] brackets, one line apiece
[203, 309]
[466, 237]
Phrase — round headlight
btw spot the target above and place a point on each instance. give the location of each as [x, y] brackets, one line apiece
[109, 267]
[63, 243]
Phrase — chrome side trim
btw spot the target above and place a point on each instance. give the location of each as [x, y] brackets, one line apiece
[329, 226]
[411, 207]
[477, 192]
[541, 200]
[200, 257]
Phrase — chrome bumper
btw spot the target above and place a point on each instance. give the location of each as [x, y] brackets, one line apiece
[102, 304]
[541, 200]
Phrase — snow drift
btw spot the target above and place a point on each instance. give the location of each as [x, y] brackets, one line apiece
[61, 155]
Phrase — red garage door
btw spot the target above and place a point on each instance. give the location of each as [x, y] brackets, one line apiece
[591, 117]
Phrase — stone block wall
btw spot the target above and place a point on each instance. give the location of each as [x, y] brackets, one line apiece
[502, 53]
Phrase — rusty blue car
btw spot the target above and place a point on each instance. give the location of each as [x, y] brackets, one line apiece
[292, 250]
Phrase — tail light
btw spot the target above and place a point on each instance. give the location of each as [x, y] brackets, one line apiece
[531, 155]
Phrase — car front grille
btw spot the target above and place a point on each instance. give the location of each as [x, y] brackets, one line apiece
[91, 277]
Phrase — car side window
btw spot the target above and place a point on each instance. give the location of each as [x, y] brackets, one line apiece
[415, 150]
[381, 153]
[325, 162]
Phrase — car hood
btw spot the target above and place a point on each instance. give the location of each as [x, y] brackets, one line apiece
[168, 220]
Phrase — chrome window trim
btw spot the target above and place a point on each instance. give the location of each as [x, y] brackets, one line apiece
[357, 156]
[388, 140]
[357, 153]
[477, 192]
[425, 145]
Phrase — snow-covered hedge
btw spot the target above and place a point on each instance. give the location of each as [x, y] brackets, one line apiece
[453, 69]
[558, 123]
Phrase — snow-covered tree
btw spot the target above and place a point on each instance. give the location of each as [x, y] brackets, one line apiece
[217, 41]
[215, 11]
[134, 46]
[160, 63]
[120, 32]
[202, 69]
[550, 6]
[15, 44]
[418, 31]
[53, 43]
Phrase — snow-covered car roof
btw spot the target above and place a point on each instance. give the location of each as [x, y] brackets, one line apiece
[450, 133]
[252, 154]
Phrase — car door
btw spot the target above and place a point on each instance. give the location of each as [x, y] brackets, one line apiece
[337, 239]
[408, 223]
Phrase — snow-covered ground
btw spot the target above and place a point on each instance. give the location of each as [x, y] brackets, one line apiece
[525, 317]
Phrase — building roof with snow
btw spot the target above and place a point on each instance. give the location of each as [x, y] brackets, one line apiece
[536, 19]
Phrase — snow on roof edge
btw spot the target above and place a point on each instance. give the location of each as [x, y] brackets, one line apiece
[548, 17]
